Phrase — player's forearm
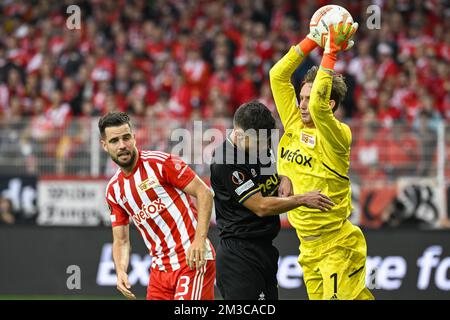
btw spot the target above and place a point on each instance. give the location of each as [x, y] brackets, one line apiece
[204, 205]
[336, 134]
[285, 67]
[280, 81]
[282, 89]
[282, 71]
[272, 206]
[121, 255]
[319, 102]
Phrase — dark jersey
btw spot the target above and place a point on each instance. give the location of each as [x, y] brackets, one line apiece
[233, 183]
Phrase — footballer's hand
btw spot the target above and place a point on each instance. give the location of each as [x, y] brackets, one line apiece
[195, 255]
[285, 189]
[339, 37]
[316, 200]
[124, 286]
[310, 37]
[306, 46]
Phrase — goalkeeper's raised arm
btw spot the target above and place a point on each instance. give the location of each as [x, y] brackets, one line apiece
[280, 81]
[329, 89]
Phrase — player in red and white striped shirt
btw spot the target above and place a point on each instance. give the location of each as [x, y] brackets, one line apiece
[154, 189]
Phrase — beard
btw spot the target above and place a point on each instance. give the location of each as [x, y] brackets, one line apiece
[125, 164]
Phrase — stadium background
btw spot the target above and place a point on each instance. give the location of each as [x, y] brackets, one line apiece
[188, 65]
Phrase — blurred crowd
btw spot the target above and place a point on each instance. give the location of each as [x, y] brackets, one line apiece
[183, 60]
[202, 59]
[169, 62]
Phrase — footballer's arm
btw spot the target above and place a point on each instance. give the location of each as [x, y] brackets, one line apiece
[121, 257]
[337, 134]
[271, 206]
[280, 81]
[282, 89]
[195, 255]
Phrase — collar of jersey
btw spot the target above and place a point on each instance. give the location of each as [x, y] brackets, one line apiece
[126, 176]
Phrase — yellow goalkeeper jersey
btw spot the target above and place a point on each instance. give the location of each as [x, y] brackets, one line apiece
[314, 159]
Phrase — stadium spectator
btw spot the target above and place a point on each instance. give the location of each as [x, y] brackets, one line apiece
[191, 38]
[366, 150]
[427, 105]
[361, 61]
[7, 215]
[400, 154]
[35, 139]
[184, 60]
[427, 144]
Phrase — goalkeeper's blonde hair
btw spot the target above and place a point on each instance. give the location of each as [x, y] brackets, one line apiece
[338, 88]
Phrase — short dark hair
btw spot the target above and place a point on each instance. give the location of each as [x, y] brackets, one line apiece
[113, 119]
[338, 87]
[253, 115]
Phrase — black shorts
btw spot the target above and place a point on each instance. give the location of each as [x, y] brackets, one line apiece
[247, 270]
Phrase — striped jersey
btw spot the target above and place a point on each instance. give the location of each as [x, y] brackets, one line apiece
[152, 195]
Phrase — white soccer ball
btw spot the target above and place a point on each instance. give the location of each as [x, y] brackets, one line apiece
[330, 14]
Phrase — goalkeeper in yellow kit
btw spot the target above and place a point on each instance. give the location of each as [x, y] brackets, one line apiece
[314, 153]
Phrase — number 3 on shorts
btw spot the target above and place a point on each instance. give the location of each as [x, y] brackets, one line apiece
[183, 282]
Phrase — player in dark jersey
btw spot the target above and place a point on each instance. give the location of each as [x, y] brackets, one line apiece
[247, 206]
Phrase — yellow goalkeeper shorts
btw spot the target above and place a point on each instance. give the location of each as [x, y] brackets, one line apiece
[334, 265]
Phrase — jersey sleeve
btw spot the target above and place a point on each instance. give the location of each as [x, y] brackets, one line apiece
[336, 134]
[282, 89]
[238, 182]
[177, 173]
[118, 215]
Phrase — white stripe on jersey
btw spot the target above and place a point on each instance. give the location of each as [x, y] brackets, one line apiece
[209, 252]
[160, 153]
[151, 156]
[173, 257]
[190, 212]
[112, 181]
[172, 209]
[194, 285]
[111, 198]
[159, 165]
[155, 157]
[154, 236]
[186, 203]
[200, 285]
[116, 189]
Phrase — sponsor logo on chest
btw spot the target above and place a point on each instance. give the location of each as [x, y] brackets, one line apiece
[150, 210]
[295, 156]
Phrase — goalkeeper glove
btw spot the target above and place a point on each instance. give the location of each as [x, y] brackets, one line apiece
[306, 46]
[338, 40]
